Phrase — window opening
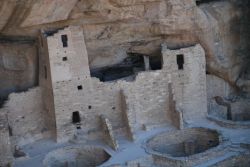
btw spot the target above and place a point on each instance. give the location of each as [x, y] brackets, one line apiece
[180, 61]
[64, 39]
[76, 117]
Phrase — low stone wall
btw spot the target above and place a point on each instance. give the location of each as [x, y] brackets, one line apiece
[26, 117]
[76, 156]
[242, 159]
[230, 124]
[108, 133]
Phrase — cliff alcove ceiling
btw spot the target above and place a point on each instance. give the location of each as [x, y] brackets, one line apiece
[112, 28]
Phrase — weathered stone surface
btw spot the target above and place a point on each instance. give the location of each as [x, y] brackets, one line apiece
[113, 27]
[18, 67]
[6, 9]
[48, 11]
[106, 33]
[109, 136]
[26, 120]
[142, 103]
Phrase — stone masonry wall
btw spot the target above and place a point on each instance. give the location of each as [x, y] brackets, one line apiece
[74, 90]
[146, 97]
[26, 117]
[189, 83]
[45, 83]
[173, 113]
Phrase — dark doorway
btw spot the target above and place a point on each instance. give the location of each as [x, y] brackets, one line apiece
[64, 40]
[180, 61]
[76, 117]
[155, 62]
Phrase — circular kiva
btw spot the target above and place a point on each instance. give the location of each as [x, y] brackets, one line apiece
[76, 157]
[184, 142]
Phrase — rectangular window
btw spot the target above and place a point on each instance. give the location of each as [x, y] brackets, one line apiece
[79, 87]
[65, 58]
[76, 117]
[180, 61]
[64, 39]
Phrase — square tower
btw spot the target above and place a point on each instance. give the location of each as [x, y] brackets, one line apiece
[69, 72]
[187, 67]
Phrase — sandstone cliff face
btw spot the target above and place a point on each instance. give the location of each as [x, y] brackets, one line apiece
[18, 66]
[113, 28]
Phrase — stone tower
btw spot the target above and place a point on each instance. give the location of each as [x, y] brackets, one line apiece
[69, 69]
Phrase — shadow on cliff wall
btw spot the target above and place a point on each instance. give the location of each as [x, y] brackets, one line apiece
[18, 65]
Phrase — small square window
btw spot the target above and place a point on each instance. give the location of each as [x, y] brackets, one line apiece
[64, 58]
[79, 87]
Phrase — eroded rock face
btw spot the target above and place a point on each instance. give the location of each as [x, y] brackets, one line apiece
[113, 28]
[18, 67]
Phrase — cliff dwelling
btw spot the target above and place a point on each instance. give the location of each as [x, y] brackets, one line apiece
[124, 83]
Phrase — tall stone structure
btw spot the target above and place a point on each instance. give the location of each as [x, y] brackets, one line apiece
[68, 62]
[187, 67]
[75, 100]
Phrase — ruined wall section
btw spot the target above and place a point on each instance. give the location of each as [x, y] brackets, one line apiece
[93, 100]
[188, 74]
[45, 84]
[147, 98]
[75, 91]
[146, 103]
[108, 133]
[5, 145]
[128, 116]
[174, 113]
[26, 117]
